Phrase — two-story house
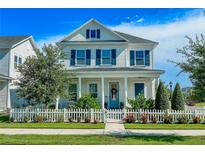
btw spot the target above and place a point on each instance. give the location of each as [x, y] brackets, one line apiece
[13, 51]
[111, 65]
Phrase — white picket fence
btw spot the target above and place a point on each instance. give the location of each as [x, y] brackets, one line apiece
[101, 115]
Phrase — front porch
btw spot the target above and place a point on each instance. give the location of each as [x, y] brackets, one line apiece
[114, 92]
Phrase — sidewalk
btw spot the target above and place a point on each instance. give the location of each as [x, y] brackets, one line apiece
[110, 129]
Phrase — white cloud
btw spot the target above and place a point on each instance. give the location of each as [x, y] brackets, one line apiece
[49, 40]
[170, 36]
[140, 20]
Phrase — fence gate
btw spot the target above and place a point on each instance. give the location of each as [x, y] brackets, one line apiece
[114, 115]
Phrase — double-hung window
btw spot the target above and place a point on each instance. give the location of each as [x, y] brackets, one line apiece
[17, 61]
[81, 57]
[140, 58]
[93, 33]
[73, 92]
[93, 90]
[106, 56]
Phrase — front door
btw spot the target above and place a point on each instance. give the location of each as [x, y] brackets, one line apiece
[114, 95]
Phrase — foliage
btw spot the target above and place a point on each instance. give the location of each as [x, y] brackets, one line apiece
[70, 119]
[194, 64]
[44, 77]
[87, 102]
[168, 119]
[26, 119]
[177, 102]
[162, 99]
[154, 119]
[95, 121]
[78, 119]
[183, 120]
[196, 120]
[140, 102]
[87, 120]
[144, 118]
[129, 118]
[38, 119]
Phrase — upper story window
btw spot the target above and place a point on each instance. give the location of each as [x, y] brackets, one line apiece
[140, 58]
[80, 57]
[17, 61]
[106, 57]
[93, 33]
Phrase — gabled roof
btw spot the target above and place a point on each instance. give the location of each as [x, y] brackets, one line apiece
[92, 20]
[134, 39]
[12, 41]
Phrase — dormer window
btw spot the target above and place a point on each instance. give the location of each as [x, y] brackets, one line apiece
[93, 33]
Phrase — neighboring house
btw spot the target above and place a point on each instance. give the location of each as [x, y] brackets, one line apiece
[111, 65]
[13, 51]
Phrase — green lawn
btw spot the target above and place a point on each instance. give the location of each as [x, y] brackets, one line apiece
[5, 124]
[54, 125]
[200, 104]
[99, 139]
[165, 126]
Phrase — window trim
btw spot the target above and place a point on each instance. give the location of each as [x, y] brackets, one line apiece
[93, 38]
[140, 49]
[16, 63]
[102, 57]
[76, 59]
[95, 83]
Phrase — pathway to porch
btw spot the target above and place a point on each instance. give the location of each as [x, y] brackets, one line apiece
[110, 129]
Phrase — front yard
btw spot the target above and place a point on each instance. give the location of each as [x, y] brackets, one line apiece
[165, 126]
[99, 140]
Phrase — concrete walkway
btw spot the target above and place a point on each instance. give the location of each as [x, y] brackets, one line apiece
[110, 129]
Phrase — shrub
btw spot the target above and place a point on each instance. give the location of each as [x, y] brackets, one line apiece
[149, 104]
[70, 119]
[154, 119]
[129, 118]
[11, 119]
[78, 119]
[162, 99]
[95, 121]
[196, 120]
[144, 118]
[138, 102]
[87, 102]
[38, 119]
[26, 119]
[87, 120]
[177, 102]
[60, 119]
[168, 119]
[183, 120]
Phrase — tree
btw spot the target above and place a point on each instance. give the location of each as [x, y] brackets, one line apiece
[162, 99]
[44, 77]
[194, 64]
[177, 102]
[87, 102]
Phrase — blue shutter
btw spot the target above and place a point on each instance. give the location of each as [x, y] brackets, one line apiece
[98, 33]
[147, 57]
[87, 34]
[132, 58]
[139, 89]
[113, 54]
[88, 56]
[98, 56]
[72, 57]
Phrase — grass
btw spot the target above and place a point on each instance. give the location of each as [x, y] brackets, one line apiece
[202, 104]
[99, 140]
[166, 126]
[4, 123]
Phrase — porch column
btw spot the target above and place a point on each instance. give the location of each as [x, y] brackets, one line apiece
[57, 102]
[79, 87]
[8, 96]
[125, 83]
[102, 92]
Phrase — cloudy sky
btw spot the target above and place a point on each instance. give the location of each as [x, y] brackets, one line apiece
[166, 26]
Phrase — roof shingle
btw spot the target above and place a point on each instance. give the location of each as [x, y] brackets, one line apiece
[9, 41]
